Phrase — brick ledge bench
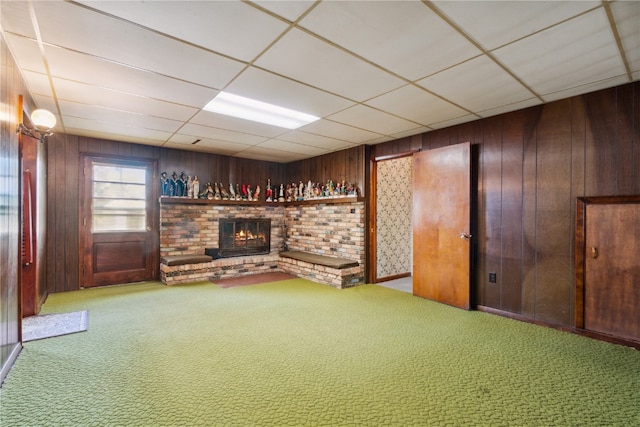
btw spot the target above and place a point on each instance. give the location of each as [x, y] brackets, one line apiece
[176, 269]
[337, 272]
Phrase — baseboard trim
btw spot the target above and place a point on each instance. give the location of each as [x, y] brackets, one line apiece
[577, 331]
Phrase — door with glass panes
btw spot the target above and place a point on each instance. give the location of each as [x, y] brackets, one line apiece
[118, 221]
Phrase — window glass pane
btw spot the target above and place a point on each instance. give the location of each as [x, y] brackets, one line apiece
[118, 174]
[113, 190]
[119, 198]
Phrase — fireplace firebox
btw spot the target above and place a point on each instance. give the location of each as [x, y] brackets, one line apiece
[244, 236]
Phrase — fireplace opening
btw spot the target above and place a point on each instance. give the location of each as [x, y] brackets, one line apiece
[241, 237]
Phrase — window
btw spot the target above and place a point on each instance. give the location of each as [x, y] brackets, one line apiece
[119, 198]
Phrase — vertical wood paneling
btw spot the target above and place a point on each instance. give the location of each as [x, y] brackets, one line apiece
[601, 174]
[512, 169]
[490, 246]
[529, 209]
[553, 222]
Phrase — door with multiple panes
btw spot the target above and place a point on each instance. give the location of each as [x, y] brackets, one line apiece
[118, 221]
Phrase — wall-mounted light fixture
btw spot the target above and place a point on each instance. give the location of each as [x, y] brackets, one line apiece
[43, 121]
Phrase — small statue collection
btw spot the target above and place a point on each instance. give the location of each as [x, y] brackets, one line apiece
[186, 186]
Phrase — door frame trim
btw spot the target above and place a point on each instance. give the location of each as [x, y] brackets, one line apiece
[581, 250]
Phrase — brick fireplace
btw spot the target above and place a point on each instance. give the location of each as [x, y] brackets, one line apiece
[190, 227]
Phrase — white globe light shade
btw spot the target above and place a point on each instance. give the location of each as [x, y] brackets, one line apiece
[43, 119]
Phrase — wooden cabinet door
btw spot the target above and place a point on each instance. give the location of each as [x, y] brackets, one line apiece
[441, 225]
[612, 270]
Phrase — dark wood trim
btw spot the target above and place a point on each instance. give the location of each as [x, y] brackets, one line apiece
[389, 278]
[372, 224]
[579, 262]
[323, 201]
[396, 156]
[577, 331]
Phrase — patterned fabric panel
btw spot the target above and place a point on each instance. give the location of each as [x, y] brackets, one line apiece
[394, 202]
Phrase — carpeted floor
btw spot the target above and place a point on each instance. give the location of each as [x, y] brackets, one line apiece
[297, 353]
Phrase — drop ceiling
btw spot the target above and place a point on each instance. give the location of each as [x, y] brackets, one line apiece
[373, 71]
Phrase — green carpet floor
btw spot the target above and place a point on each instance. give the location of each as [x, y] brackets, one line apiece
[296, 353]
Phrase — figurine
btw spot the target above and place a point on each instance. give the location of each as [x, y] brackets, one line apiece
[196, 187]
[281, 195]
[238, 193]
[216, 191]
[164, 184]
[189, 187]
[232, 192]
[269, 191]
[256, 195]
[224, 192]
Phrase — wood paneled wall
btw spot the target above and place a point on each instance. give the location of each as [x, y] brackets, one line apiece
[65, 152]
[532, 164]
[11, 86]
[348, 165]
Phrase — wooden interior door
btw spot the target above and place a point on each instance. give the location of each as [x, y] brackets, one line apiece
[441, 225]
[612, 269]
[118, 231]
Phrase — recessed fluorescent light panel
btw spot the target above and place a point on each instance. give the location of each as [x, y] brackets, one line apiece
[258, 111]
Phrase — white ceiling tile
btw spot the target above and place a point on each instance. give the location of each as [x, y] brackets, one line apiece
[292, 147]
[110, 38]
[228, 27]
[220, 134]
[496, 23]
[101, 134]
[411, 132]
[586, 88]
[453, 122]
[509, 107]
[332, 129]
[569, 55]
[88, 69]
[364, 117]
[27, 51]
[627, 18]
[288, 9]
[405, 37]
[38, 84]
[115, 129]
[268, 154]
[312, 140]
[414, 104]
[119, 117]
[15, 18]
[186, 141]
[88, 94]
[478, 84]
[307, 59]
[207, 118]
[268, 87]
